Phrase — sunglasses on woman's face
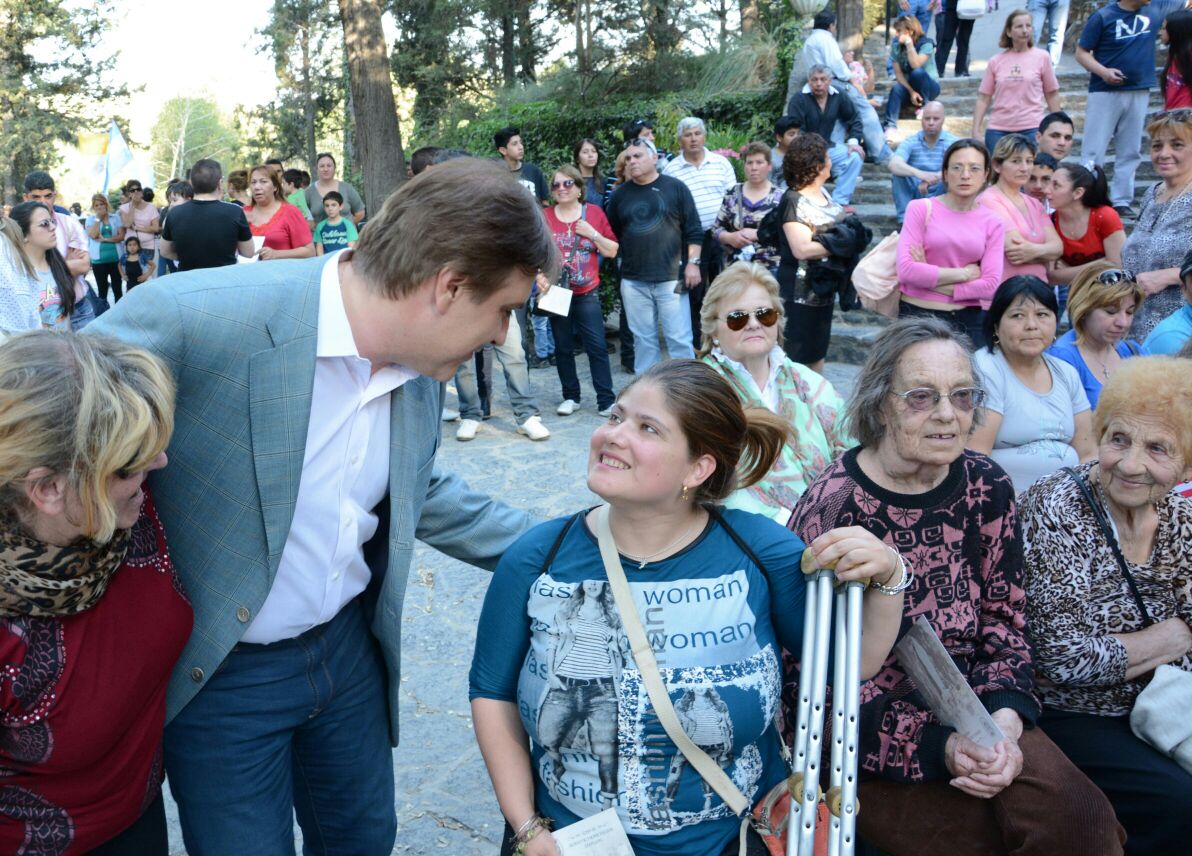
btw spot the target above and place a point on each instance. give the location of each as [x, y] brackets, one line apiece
[567, 182]
[46, 224]
[738, 318]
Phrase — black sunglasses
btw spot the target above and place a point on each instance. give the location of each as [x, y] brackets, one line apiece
[567, 182]
[738, 318]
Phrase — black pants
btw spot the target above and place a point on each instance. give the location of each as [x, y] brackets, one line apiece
[955, 29]
[969, 320]
[146, 837]
[711, 262]
[108, 273]
[1151, 794]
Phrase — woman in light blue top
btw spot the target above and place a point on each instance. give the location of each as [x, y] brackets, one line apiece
[1036, 413]
[1101, 304]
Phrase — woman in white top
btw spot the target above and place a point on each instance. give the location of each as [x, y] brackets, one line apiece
[1037, 417]
[18, 282]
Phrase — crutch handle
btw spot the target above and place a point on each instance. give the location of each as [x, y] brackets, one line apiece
[834, 800]
[809, 566]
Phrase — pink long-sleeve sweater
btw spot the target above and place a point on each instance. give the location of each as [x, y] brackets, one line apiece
[951, 239]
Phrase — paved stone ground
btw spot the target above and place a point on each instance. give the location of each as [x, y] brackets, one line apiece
[445, 803]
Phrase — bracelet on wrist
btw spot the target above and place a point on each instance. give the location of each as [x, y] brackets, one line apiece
[693, 261]
[904, 581]
[529, 831]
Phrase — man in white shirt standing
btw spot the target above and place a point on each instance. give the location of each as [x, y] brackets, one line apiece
[708, 176]
[302, 469]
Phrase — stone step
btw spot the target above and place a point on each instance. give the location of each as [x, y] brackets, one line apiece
[876, 173]
[850, 343]
[877, 191]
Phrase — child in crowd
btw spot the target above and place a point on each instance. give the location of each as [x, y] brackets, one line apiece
[291, 186]
[135, 263]
[336, 232]
[1039, 184]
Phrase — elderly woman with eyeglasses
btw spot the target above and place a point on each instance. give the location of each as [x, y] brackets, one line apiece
[926, 789]
[1101, 305]
[92, 613]
[1096, 642]
[741, 326]
[1160, 236]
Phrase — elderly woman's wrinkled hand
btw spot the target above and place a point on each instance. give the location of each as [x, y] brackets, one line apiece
[979, 771]
[856, 554]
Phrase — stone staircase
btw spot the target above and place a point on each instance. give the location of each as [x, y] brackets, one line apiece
[852, 332]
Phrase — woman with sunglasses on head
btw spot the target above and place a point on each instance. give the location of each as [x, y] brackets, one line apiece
[583, 236]
[1031, 242]
[1159, 239]
[951, 249]
[561, 718]
[1101, 305]
[741, 325]
[925, 790]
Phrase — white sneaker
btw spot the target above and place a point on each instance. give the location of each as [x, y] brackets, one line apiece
[450, 415]
[467, 430]
[532, 428]
[606, 412]
[567, 407]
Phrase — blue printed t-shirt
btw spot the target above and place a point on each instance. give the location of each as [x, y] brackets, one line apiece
[553, 644]
[335, 237]
[1125, 41]
[1066, 349]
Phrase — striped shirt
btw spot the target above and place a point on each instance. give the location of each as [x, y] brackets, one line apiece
[915, 151]
[707, 183]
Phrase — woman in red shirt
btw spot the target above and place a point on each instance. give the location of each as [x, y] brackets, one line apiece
[1176, 33]
[92, 614]
[286, 233]
[1086, 223]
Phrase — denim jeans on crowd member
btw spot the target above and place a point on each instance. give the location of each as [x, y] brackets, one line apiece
[906, 188]
[846, 169]
[1056, 12]
[544, 341]
[588, 318]
[871, 125]
[299, 726]
[648, 304]
[512, 357]
[82, 315]
[921, 9]
[921, 81]
[992, 136]
[1118, 116]
[951, 29]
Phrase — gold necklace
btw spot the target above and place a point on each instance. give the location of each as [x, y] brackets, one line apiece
[642, 560]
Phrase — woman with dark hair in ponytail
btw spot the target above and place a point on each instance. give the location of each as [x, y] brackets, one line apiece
[562, 721]
[56, 299]
[1086, 223]
[1176, 79]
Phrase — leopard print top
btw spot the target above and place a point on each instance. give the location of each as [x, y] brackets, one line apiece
[1077, 597]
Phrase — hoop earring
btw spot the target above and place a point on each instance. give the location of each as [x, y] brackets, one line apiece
[683, 495]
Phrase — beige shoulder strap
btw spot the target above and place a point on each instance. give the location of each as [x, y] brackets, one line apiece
[643, 655]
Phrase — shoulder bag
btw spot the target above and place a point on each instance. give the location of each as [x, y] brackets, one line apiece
[565, 269]
[1160, 714]
[876, 276]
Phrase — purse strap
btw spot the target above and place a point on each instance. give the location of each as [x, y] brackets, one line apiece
[647, 665]
[1107, 532]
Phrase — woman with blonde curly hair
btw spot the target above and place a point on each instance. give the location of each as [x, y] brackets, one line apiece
[92, 615]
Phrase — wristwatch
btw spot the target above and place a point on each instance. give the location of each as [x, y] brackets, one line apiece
[693, 261]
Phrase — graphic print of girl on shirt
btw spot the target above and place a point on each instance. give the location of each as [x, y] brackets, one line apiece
[585, 670]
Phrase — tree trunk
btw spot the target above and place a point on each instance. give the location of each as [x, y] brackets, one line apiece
[850, 22]
[581, 63]
[749, 15]
[525, 43]
[374, 116]
[308, 97]
[508, 55]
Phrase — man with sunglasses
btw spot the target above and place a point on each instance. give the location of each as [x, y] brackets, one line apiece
[658, 226]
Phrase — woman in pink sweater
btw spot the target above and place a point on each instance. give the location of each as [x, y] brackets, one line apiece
[1031, 243]
[950, 252]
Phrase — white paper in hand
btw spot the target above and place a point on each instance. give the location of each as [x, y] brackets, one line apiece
[598, 835]
[557, 301]
[258, 241]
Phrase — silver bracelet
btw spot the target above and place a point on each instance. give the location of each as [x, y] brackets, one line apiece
[903, 583]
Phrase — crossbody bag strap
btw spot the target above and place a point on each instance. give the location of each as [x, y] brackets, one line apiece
[647, 665]
[718, 516]
[1106, 531]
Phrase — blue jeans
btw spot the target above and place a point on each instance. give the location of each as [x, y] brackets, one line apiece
[906, 188]
[846, 169]
[1055, 13]
[586, 315]
[992, 136]
[512, 357]
[647, 304]
[871, 125]
[544, 342]
[921, 81]
[299, 726]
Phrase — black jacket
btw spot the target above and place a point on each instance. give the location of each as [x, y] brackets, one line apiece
[846, 241]
[838, 108]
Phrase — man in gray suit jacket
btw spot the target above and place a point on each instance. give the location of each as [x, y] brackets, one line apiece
[302, 469]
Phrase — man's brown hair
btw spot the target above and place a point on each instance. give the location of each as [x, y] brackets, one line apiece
[469, 215]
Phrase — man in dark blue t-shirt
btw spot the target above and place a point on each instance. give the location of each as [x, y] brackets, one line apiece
[658, 226]
[1117, 47]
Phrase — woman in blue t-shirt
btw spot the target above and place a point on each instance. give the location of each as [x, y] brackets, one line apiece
[720, 595]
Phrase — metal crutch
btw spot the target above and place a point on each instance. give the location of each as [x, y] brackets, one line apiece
[841, 798]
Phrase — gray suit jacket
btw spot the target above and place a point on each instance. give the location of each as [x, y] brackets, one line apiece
[241, 343]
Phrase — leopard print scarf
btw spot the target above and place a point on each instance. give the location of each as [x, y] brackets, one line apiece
[42, 580]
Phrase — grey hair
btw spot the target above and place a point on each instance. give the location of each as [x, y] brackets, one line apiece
[876, 381]
[688, 122]
[818, 68]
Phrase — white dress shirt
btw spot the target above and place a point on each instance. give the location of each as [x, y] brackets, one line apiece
[707, 182]
[345, 473]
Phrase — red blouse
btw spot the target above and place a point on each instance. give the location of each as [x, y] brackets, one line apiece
[285, 230]
[83, 704]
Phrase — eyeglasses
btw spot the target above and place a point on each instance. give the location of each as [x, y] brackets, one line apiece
[132, 190]
[1113, 277]
[925, 398]
[965, 169]
[567, 182]
[47, 224]
[738, 318]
